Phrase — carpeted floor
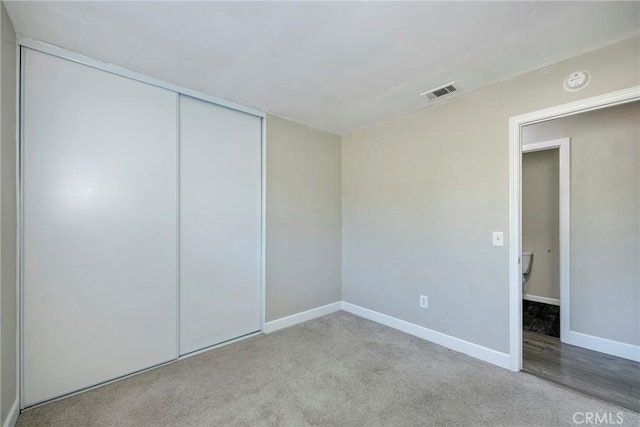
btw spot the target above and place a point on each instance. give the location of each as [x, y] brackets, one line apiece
[338, 370]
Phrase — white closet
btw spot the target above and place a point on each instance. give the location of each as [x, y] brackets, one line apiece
[141, 225]
[220, 204]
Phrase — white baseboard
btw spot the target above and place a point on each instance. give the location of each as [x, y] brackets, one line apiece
[294, 319]
[462, 346]
[536, 298]
[603, 345]
[12, 416]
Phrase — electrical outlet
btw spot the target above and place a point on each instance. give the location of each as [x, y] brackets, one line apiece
[424, 301]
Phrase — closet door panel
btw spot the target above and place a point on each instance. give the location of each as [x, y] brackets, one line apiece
[100, 226]
[220, 217]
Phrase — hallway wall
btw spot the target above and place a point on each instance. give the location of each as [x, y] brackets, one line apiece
[540, 222]
[605, 218]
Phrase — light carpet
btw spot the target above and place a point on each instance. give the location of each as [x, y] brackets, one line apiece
[338, 370]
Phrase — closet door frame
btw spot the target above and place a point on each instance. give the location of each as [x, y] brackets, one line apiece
[22, 43]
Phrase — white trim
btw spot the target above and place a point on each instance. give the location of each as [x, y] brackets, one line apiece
[544, 145]
[124, 72]
[263, 229]
[294, 319]
[12, 415]
[474, 350]
[21, 230]
[545, 300]
[178, 219]
[563, 145]
[623, 96]
[603, 345]
[18, 95]
[515, 247]
[515, 194]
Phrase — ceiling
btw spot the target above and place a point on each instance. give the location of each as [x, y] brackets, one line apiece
[336, 66]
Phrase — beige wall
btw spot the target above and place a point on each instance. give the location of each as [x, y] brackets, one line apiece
[605, 218]
[8, 216]
[303, 218]
[421, 195]
[540, 222]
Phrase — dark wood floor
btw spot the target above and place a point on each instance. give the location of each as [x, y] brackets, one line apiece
[609, 378]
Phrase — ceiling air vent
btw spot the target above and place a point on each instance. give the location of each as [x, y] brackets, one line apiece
[441, 91]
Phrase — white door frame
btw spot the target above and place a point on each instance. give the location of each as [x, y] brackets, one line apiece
[564, 172]
[515, 199]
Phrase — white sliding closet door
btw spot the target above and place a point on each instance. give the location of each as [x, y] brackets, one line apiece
[100, 226]
[220, 217]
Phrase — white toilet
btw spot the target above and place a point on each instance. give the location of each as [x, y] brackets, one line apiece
[527, 258]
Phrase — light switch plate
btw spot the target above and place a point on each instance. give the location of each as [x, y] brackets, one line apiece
[498, 238]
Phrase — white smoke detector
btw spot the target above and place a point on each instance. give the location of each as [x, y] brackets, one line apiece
[576, 81]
